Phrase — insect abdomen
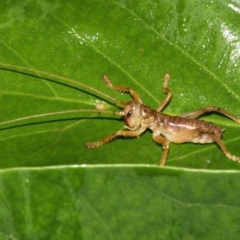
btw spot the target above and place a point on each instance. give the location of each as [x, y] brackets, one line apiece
[173, 124]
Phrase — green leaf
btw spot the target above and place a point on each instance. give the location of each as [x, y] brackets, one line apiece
[119, 203]
[134, 43]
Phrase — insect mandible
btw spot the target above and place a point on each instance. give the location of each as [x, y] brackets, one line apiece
[138, 117]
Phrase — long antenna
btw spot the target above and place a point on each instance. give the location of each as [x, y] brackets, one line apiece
[120, 113]
[12, 67]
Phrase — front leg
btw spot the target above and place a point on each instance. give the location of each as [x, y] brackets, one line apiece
[122, 133]
[134, 95]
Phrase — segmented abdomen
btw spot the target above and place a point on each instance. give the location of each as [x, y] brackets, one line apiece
[169, 125]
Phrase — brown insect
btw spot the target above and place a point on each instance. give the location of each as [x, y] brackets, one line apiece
[138, 117]
[165, 128]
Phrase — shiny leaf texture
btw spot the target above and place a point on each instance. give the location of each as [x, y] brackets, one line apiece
[134, 43]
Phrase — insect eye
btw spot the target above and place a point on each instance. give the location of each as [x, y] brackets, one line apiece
[129, 114]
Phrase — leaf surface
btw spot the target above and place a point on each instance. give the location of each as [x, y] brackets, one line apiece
[134, 44]
[50, 178]
[119, 202]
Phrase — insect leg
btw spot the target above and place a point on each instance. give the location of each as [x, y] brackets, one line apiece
[167, 91]
[162, 140]
[224, 149]
[121, 132]
[134, 95]
[201, 111]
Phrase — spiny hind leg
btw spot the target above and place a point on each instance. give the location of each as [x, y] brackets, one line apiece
[224, 149]
[201, 111]
[163, 141]
[111, 137]
[165, 89]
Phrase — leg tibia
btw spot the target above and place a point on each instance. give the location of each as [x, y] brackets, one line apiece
[122, 89]
[122, 133]
[224, 149]
[165, 89]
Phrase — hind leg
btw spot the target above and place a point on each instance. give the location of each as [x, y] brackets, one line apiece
[224, 149]
[201, 111]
